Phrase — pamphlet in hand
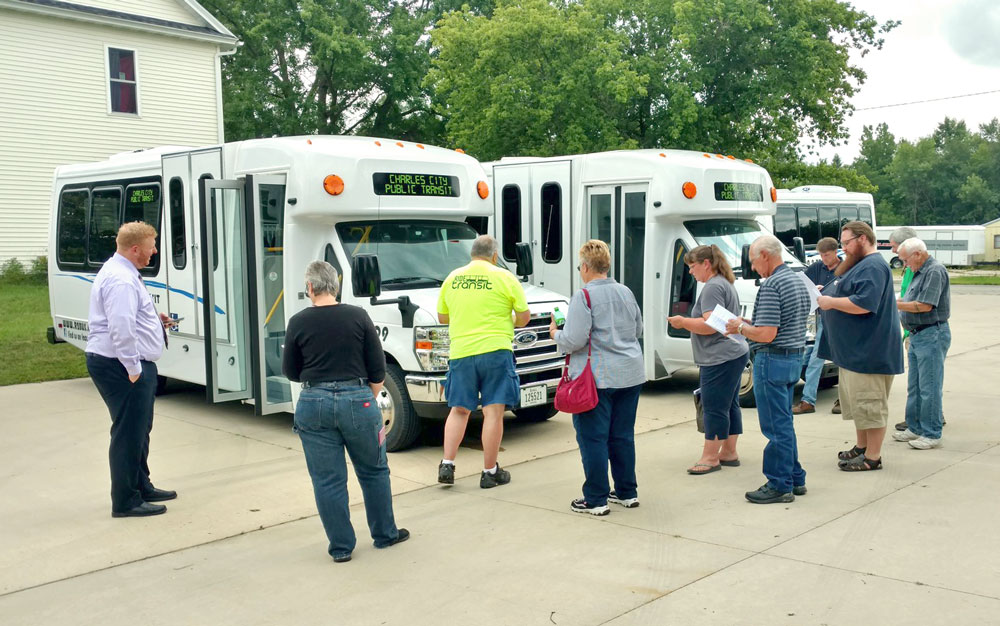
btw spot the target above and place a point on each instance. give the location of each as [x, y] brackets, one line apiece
[718, 319]
[813, 291]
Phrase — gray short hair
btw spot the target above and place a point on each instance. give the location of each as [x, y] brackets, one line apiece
[911, 245]
[902, 233]
[323, 278]
[484, 247]
[769, 244]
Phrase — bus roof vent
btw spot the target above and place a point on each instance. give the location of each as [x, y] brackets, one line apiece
[821, 189]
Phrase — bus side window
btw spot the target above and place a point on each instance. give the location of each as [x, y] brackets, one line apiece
[784, 224]
[510, 212]
[331, 257]
[829, 224]
[215, 229]
[105, 218]
[72, 227]
[551, 223]
[809, 226]
[178, 238]
[865, 215]
[848, 214]
[682, 289]
[142, 203]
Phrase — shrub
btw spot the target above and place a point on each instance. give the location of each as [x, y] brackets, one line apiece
[12, 272]
[39, 272]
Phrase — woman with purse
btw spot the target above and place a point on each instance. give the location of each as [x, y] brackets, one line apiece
[602, 331]
[721, 358]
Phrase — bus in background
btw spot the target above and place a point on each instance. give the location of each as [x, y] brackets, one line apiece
[816, 211]
[650, 207]
[949, 245]
[238, 224]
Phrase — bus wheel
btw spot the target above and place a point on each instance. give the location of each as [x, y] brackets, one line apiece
[161, 385]
[402, 424]
[747, 399]
[895, 263]
[535, 413]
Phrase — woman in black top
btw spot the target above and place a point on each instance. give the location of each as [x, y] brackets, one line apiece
[334, 351]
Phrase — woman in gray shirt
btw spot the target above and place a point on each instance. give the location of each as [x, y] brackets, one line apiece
[722, 358]
[606, 433]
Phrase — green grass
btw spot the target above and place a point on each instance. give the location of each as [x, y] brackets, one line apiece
[27, 357]
[975, 280]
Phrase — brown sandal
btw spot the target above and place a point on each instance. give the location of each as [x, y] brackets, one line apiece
[861, 464]
[847, 455]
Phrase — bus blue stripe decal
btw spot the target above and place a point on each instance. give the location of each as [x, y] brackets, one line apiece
[151, 283]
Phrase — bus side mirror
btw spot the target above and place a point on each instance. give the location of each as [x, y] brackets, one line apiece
[799, 246]
[366, 277]
[745, 265]
[525, 266]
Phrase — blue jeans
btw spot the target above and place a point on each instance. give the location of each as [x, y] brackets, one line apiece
[606, 434]
[774, 378]
[925, 381]
[328, 418]
[720, 398]
[814, 367]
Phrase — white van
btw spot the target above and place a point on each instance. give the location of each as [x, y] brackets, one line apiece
[650, 207]
[393, 217]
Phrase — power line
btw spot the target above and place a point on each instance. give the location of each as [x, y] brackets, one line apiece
[903, 104]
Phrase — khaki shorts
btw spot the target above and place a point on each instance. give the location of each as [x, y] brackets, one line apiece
[864, 398]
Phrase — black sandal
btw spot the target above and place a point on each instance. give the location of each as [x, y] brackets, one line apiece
[861, 464]
[847, 455]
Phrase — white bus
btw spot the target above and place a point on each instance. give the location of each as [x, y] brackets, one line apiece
[238, 224]
[816, 211]
[950, 245]
[650, 207]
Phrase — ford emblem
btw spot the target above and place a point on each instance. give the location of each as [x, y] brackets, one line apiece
[525, 339]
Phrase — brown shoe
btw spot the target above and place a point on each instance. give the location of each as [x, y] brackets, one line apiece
[836, 407]
[803, 407]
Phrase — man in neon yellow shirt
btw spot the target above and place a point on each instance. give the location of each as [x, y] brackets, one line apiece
[476, 302]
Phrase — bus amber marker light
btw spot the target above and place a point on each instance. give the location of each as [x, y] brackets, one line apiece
[483, 189]
[333, 184]
[689, 190]
[774, 194]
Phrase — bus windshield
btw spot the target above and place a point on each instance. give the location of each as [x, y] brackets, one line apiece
[731, 235]
[411, 253]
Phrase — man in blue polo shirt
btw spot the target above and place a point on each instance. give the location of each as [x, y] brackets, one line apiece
[778, 338]
[862, 337]
[924, 311]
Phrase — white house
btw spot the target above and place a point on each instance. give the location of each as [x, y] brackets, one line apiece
[85, 79]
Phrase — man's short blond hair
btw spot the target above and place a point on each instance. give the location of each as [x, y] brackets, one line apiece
[596, 255]
[134, 234]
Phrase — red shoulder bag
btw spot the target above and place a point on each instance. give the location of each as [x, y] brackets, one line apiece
[577, 395]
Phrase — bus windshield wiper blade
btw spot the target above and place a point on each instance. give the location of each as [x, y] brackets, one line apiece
[412, 279]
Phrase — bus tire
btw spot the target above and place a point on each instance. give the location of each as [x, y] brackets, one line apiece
[747, 399]
[161, 385]
[535, 413]
[402, 424]
[895, 263]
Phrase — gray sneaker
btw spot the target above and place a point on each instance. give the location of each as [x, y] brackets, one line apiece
[497, 478]
[446, 473]
[768, 495]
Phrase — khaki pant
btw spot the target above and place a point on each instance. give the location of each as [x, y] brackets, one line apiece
[864, 398]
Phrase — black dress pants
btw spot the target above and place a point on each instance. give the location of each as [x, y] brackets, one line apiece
[131, 408]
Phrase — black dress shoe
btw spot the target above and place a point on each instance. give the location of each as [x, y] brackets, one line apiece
[400, 538]
[159, 495]
[143, 510]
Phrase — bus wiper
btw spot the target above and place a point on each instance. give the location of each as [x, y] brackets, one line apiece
[413, 279]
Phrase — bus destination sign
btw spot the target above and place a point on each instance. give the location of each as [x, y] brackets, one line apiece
[739, 192]
[393, 184]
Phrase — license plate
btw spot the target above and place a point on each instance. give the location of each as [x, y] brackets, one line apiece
[533, 395]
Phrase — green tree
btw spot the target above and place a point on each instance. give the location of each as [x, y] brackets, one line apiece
[535, 78]
[790, 174]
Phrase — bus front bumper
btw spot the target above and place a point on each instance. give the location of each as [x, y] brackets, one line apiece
[427, 390]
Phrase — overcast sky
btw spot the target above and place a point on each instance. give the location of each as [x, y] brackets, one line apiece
[942, 48]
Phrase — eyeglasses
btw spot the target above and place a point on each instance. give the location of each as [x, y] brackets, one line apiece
[844, 241]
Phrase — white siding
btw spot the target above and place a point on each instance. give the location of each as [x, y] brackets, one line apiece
[162, 9]
[54, 110]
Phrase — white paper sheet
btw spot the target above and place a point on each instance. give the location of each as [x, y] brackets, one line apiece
[813, 291]
[718, 319]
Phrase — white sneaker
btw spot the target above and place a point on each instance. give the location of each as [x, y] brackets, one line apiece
[628, 503]
[905, 435]
[925, 443]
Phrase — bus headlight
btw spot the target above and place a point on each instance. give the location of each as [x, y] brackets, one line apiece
[430, 343]
[811, 328]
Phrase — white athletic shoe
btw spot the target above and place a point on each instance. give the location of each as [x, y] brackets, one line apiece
[925, 443]
[905, 435]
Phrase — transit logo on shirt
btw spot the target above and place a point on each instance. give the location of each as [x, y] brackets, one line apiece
[471, 282]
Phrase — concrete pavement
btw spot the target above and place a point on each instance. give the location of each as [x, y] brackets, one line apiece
[913, 543]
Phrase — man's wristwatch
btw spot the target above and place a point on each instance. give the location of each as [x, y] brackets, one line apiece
[739, 328]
